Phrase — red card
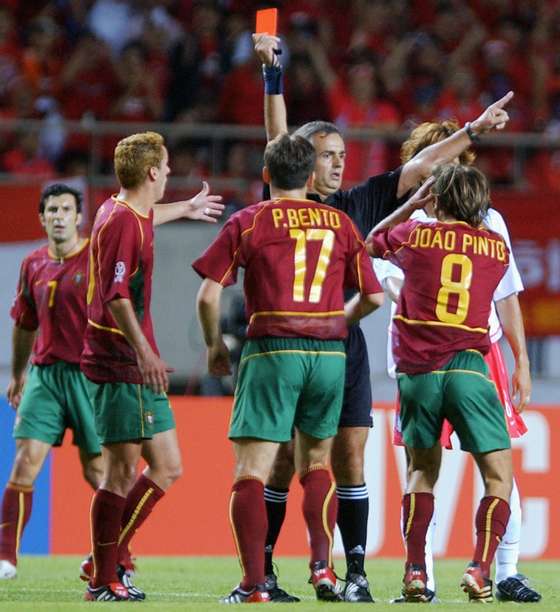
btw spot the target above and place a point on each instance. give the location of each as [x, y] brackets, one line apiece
[267, 21]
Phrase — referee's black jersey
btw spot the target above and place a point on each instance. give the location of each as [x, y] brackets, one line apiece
[367, 203]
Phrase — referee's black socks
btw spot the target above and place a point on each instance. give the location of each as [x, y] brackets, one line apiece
[352, 519]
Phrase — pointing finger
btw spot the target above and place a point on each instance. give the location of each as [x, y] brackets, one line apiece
[503, 101]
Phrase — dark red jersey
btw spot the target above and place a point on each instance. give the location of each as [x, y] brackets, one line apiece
[51, 298]
[451, 271]
[120, 266]
[298, 256]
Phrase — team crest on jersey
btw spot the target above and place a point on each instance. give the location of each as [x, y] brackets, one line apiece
[78, 278]
[120, 269]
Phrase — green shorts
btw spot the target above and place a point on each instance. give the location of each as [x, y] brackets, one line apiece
[287, 382]
[125, 412]
[55, 397]
[461, 392]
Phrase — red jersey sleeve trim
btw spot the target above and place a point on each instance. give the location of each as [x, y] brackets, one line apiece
[243, 233]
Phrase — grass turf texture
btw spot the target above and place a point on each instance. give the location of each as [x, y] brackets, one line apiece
[196, 583]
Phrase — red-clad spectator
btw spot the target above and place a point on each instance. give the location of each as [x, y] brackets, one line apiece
[139, 98]
[24, 159]
[42, 59]
[460, 100]
[357, 103]
[10, 53]
[241, 95]
[543, 170]
[88, 80]
[305, 97]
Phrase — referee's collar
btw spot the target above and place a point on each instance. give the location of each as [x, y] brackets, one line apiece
[317, 198]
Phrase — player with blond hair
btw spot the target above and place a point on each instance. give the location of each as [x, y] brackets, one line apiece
[132, 411]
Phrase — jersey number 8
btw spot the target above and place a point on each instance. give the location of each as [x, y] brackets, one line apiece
[449, 287]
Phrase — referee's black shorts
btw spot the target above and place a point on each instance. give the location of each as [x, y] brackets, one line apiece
[356, 405]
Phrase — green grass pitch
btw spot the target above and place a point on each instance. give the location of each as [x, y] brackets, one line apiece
[196, 583]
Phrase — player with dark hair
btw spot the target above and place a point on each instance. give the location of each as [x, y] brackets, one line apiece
[132, 412]
[366, 204]
[452, 268]
[298, 255]
[505, 319]
[49, 315]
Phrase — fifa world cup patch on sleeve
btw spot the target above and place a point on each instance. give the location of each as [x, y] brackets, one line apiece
[120, 270]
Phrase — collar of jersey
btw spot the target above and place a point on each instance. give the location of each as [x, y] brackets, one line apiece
[73, 253]
[129, 206]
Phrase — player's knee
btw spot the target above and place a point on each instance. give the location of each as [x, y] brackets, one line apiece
[120, 478]
[26, 467]
[282, 470]
[93, 474]
[174, 471]
[348, 465]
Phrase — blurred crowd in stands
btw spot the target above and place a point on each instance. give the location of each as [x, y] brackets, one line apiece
[374, 63]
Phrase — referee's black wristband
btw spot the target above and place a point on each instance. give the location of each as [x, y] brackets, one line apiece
[473, 137]
[273, 78]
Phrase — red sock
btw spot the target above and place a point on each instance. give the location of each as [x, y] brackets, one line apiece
[418, 509]
[247, 514]
[16, 510]
[491, 521]
[319, 511]
[106, 512]
[141, 500]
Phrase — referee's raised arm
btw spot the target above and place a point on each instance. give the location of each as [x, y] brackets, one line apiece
[275, 116]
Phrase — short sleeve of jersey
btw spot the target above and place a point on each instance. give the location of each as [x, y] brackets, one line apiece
[23, 310]
[511, 281]
[221, 259]
[359, 271]
[388, 243]
[118, 253]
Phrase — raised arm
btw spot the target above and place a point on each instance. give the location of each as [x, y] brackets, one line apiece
[201, 207]
[275, 116]
[420, 199]
[495, 117]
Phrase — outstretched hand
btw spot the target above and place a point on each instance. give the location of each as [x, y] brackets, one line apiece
[205, 207]
[495, 117]
[266, 48]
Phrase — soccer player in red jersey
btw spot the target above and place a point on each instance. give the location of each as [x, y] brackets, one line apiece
[452, 268]
[366, 204]
[298, 255]
[49, 322]
[505, 318]
[132, 412]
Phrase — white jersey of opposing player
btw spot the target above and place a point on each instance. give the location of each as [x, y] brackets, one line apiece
[511, 281]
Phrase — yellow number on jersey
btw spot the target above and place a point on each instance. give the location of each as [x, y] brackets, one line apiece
[300, 262]
[52, 289]
[451, 287]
